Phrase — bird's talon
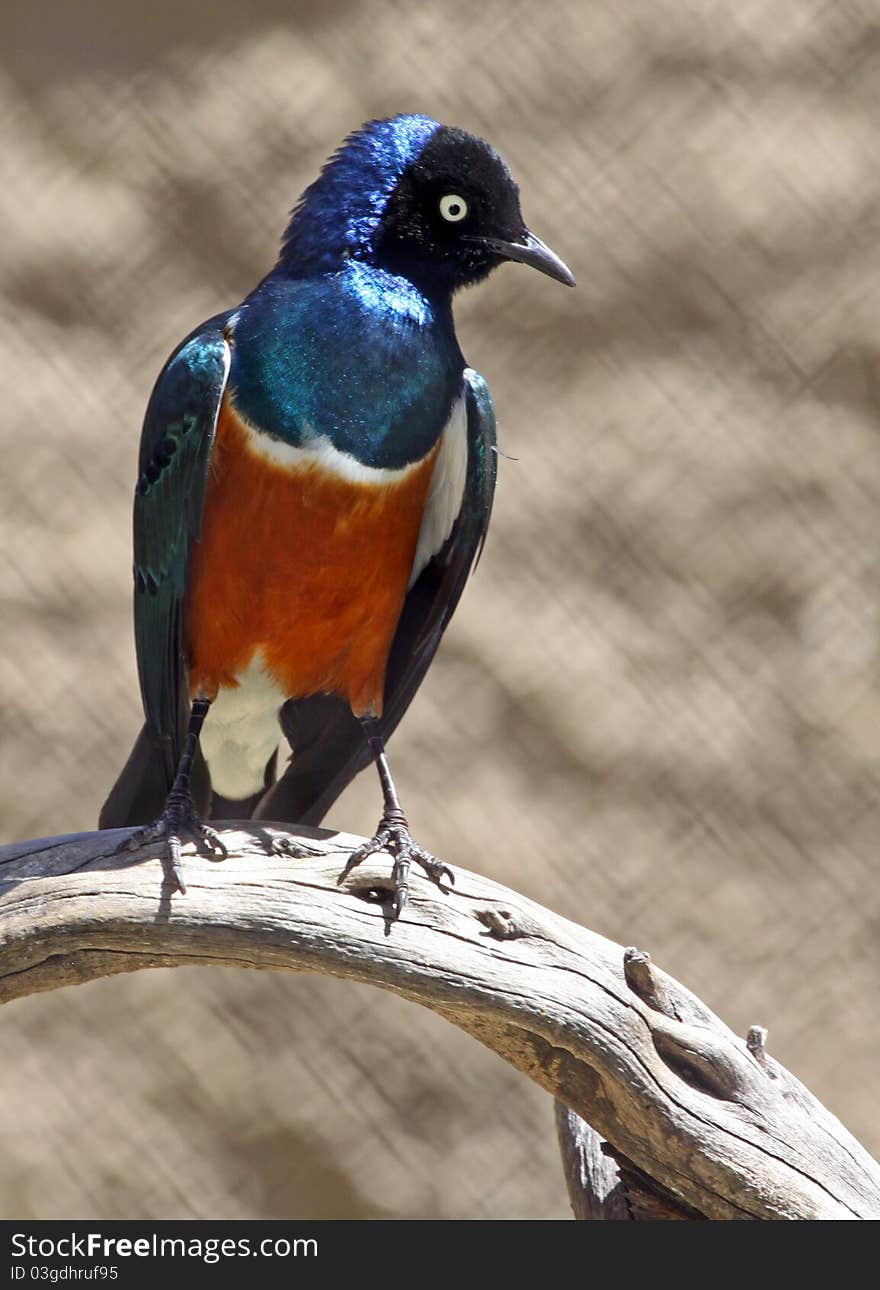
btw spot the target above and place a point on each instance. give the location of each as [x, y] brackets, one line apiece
[177, 879]
[214, 842]
[394, 837]
[366, 849]
[179, 816]
[435, 868]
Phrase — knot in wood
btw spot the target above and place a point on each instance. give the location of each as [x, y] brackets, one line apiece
[501, 923]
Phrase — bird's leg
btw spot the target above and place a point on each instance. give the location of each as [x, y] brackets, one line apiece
[393, 833]
[179, 815]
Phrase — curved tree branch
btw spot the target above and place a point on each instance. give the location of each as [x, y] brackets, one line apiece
[708, 1119]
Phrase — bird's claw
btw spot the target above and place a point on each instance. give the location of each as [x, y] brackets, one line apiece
[379, 842]
[179, 817]
[394, 836]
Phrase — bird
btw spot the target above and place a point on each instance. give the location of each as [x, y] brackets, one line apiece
[315, 480]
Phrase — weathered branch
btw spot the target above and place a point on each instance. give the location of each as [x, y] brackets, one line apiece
[709, 1121]
[595, 1188]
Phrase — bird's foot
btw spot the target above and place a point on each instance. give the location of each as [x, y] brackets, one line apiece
[178, 818]
[393, 835]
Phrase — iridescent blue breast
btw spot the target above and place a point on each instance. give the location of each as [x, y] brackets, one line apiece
[359, 357]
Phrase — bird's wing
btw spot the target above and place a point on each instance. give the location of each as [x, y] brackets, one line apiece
[175, 455]
[329, 747]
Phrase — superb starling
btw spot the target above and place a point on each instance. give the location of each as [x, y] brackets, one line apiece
[315, 481]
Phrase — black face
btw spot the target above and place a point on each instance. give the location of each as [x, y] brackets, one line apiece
[454, 215]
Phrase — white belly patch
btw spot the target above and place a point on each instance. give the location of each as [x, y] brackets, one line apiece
[241, 732]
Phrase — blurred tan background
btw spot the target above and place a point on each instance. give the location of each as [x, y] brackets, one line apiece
[658, 708]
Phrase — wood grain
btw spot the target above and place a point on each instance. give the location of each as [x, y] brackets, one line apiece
[713, 1121]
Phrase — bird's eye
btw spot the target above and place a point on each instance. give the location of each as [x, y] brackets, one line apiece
[453, 208]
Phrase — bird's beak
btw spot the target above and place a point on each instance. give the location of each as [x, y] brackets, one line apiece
[530, 250]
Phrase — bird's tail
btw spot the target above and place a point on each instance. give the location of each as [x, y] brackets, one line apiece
[138, 796]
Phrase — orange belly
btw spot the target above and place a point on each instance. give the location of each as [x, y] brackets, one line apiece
[302, 565]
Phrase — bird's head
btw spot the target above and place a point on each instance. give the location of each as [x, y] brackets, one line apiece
[426, 201]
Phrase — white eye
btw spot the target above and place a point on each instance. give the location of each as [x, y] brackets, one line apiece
[453, 208]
